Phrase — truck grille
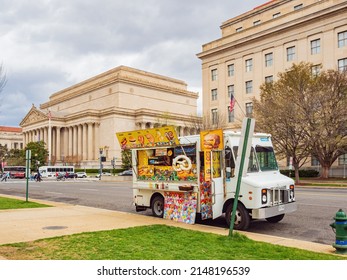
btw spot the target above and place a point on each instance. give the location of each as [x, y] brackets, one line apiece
[279, 196]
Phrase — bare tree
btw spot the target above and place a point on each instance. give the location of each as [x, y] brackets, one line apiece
[327, 118]
[207, 122]
[306, 115]
[278, 113]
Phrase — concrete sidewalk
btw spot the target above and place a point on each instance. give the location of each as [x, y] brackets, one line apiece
[23, 225]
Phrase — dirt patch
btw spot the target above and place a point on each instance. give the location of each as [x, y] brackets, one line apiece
[24, 251]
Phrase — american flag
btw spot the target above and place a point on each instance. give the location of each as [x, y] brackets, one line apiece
[232, 102]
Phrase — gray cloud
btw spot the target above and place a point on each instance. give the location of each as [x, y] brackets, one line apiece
[47, 45]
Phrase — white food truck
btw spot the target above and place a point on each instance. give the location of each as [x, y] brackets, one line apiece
[180, 178]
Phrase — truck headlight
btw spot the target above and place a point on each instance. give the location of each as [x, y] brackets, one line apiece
[291, 194]
[264, 196]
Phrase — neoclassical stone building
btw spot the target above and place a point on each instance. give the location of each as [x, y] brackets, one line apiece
[11, 137]
[79, 121]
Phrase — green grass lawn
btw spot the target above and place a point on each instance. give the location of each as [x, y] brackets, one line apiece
[10, 203]
[157, 242]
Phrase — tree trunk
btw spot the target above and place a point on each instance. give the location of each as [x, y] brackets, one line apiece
[324, 172]
[297, 179]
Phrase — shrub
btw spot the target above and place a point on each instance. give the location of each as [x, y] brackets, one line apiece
[304, 173]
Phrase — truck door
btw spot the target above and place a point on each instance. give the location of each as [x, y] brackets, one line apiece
[217, 181]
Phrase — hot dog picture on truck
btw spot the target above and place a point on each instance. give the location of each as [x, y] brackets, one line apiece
[178, 178]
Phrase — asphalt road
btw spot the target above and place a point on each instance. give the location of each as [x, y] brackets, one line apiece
[316, 206]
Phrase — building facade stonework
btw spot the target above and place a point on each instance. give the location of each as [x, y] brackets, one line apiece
[11, 137]
[255, 46]
[79, 121]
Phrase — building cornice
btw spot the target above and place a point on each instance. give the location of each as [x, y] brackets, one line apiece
[284, 23]
[35, 117]
[117, 75]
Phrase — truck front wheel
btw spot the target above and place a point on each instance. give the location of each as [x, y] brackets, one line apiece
[242, 218]
[157, 206]
[275, 219]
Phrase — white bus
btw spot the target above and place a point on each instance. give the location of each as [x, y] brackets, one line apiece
[50, 171]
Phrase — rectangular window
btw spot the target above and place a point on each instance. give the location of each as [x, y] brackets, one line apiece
[214, 74]
[276, 15]
[249, 86]
[342, 64]
[314, 161]
[257, 22]
[290, 53]
[315, 46]
[268, 59]
[315, 69]
[269, 79]
[239, 29]
[342, 39]
[249, 65]
[249, 109]
[214, 114]
[231, 70]
[343, 159]
[231, 90]
[231, 115]
[214, 94]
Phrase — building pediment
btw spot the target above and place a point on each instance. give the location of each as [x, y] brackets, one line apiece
[33, 116]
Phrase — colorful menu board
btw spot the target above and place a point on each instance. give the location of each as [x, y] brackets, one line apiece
[154, 137]
[205, 200]
[180, 207]
[211, 140]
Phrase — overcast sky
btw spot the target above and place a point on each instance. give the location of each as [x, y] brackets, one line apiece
[48, 45]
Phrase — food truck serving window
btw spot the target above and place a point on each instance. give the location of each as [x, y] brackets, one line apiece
[167, 164]
[157, 156]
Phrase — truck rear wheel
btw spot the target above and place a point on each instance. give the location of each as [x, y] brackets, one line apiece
[157, 206]
[275, 219]
[242, 218]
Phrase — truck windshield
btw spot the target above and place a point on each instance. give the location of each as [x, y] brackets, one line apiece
[266, 158]
[253, 165]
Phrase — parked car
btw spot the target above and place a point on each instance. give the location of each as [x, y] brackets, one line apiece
[81, 174]
[71, 175]
[126, 173]
[104, 174]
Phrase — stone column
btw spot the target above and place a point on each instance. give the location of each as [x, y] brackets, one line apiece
[84, 146]
[90, 155]
[24, 139]
[42, 134]
[70, 141]
[75, 141]
[58, 151]
[65, 143]
[45, 135]
[96, 140]
[79, 142]
[54, 142]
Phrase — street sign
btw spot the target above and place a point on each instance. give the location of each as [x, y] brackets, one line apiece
[27, 171]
